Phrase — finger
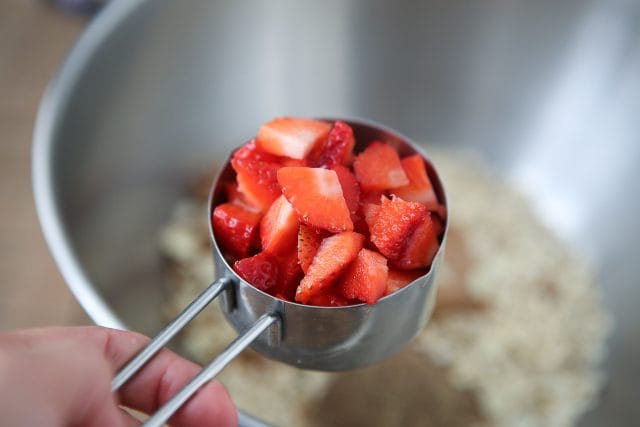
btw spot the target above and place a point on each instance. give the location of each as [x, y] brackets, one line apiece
[66, 384]
[159, 380]
[162, 378]
[128, 419]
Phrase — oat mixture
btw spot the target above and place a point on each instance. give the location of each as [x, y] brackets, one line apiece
[517, 338]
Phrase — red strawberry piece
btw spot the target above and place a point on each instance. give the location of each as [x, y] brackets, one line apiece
[316, 195]
[364, 213]
[370, 212]
[258, 191]
[395, 221]
[236, 197]
[309, 240]
[292, 137]
[419, 188]
[420, 248]
[337, 149]
[333, 257]
[261, 271]
[252, 153]
[279, 227]
[287, 161]
[256, 175]
[370, 197]
[290, 275]
[232, 193]
[378, 168]
[366, 277]
[350, 188]
[330, 298]
[364, 223]
[398, 279]
[235, 229]
[360, 225]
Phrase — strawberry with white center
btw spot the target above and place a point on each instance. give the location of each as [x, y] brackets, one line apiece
[309, 240]
[292, 137]
[279, 227]
[333, 257]
[419, 188]
[366, 277]
[316, 195]
[336, 150]
[350, 189]
[393, 223]
[398, 279]
[256, 175]
[378, 168]
[421, 246]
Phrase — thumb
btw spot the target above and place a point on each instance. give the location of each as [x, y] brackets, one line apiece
[56, 384]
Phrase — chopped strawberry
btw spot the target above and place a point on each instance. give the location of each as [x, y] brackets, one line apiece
[337, 149]
[366, 277]
[378, 168]
[309, 240]
[370, 212]
[290, 275]
[370, 197]
[260, 270]
[279, 227]
[235, 229]
[232, 193]
[292, 137]
[333, 257]
[420, 248]
[330, 298]
[316, 195]
[395, 221]
[419, 188]
[256, 174]
[360, 226]
[398, 279]
[258, 191]
[287, 161]
[350, 188]
[236, 197]
[364, 211]
[252, 153]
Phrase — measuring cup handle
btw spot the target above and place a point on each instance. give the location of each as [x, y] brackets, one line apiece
[169, 331]
[211, 370]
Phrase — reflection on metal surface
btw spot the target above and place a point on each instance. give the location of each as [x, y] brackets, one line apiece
[559, 139]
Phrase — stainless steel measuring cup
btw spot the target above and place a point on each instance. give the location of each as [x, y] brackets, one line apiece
[321, 338]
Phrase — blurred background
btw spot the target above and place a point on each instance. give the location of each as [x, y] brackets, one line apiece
[34, 38]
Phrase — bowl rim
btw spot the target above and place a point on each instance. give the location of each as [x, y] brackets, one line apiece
[53, 106]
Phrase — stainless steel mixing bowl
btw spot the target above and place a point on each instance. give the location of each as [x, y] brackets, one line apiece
[548, 93]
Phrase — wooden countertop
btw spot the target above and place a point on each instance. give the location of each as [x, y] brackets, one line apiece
[34, 38]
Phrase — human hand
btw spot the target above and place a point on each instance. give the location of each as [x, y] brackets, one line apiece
[62, 377]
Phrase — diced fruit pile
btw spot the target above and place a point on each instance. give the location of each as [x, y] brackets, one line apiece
[308, 220]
